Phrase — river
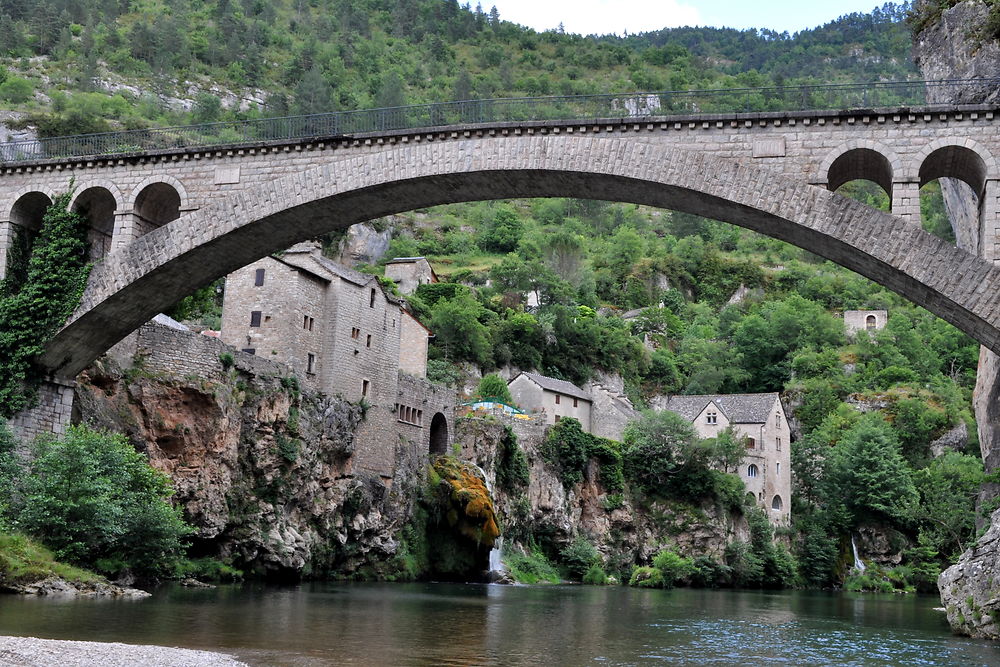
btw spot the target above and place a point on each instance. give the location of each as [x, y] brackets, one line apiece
[456, 624]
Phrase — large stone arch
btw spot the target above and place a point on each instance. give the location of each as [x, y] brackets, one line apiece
[153, 272]
[27, 210]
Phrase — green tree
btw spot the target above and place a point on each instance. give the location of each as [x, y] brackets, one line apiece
[869, 476]
[458, 331]
[96, 501]
[494, 386]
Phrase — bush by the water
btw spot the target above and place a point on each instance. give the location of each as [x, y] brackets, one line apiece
[95, 501]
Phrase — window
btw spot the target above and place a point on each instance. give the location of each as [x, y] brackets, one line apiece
[869, 325]
[777, 419]
[575, 403]
[777, 468]
[355, 333]
[558, 397]
[558, 417]
[751, 443]
[371, 299]
[258, 278]
[311, 322]
[752, 470]
[364, 387]
[255, 318]
[310, 363]
[711, 418]
[368, 343]
[776, 503]
[249, 350]
[777, 444]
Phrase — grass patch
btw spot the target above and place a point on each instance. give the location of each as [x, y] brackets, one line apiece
[531, 568]
[24, 561]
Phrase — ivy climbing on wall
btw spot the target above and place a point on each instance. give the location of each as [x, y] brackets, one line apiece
[43, 290]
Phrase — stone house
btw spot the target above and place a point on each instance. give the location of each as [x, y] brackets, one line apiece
[766, 468]
[342, 334]
[409, 273]
[553, 398]
[864, 320]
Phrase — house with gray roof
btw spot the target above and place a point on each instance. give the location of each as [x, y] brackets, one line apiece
[554, 399]
[760, 420]
[409, 273]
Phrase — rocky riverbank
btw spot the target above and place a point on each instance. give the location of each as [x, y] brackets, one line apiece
[33, 652]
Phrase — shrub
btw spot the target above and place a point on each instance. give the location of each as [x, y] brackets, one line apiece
[646, 577]
[672, 566]
[93, 499]
[595, 576]
[579, 556]
[512, 471]
[493, 386]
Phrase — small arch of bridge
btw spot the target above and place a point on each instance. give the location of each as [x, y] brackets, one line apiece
[151, 273]
[864, 159]
[28, 209]
[99, 202]
[966, 160]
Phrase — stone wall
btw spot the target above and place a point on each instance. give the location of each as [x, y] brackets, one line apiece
[51, 416]
[857, 320]
[429, 399]
[412, 345]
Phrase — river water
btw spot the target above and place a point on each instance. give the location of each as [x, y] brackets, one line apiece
[455, 624]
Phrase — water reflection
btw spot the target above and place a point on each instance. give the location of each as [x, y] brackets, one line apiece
[454, 624]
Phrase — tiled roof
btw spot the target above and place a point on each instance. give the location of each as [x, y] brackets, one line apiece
[405, 260]
[738, 408]
[558, 386]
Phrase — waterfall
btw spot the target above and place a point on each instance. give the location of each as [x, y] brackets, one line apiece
[859, 566]
[496, 568]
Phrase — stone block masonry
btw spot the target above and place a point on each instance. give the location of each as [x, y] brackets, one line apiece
[50, 417]
[766, 172]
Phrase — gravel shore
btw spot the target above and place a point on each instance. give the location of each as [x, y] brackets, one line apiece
[31, 652]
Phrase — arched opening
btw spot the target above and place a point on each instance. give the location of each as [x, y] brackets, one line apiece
[776, 503]
[870, 323]
[439, 434]
[952, 182]
[155, 206]
[26, 214]
[28, 211]
[752, 470]
[98, 205]
[860, 164]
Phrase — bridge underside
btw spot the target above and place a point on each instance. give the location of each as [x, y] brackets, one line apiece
[147, 276]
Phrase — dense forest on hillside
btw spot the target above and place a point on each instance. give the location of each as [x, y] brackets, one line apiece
[544, 285]
[98, 64]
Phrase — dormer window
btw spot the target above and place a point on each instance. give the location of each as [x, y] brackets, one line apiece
[711, 417]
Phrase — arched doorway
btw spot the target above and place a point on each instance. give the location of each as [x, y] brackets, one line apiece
[439, 434]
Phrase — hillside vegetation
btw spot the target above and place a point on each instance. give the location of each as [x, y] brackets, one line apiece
[92, 65]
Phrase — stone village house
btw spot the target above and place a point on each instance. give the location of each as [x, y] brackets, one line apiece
[766, 468]
[342, 334]
[760, 418]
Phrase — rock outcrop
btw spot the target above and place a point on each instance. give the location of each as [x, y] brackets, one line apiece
[953, 48]
[970, 589]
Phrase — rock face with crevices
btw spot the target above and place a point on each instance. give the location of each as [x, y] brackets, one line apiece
[951, 49]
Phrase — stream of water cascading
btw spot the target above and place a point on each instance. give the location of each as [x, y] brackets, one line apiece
[859, 566]
[496, 567]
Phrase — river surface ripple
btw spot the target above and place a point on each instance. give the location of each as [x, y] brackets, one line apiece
[456, 624]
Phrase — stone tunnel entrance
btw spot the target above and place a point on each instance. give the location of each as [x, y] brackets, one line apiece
[439, 434]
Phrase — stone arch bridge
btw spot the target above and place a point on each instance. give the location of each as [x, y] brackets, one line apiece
[165, 222]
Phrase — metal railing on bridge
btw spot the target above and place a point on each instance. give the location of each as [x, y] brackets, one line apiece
[663, 104]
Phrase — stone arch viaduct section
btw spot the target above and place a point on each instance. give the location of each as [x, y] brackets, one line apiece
[212, 211]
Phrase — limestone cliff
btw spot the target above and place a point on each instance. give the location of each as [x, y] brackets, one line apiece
[951, 49]
[626, 534]
[262, 470]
